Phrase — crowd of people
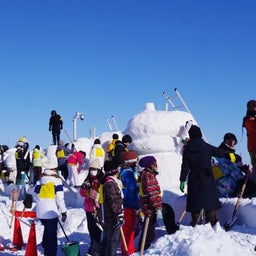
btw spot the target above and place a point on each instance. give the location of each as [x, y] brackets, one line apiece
[121, 190]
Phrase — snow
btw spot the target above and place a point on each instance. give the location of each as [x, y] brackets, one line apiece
[158, 133]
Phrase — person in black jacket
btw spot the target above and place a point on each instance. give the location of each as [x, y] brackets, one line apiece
[121, 146]
[55, 125]
[202, 195]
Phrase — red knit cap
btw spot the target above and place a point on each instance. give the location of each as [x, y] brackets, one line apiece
[129, 157]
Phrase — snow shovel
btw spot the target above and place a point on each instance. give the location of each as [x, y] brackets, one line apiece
[231, 222]
[70, 248]
[181, 217]
[14, 206]
[145, 231]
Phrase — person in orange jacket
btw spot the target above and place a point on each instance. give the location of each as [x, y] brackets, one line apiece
[249, 123]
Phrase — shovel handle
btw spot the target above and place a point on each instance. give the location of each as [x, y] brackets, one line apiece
[145, 231]
[63, 230]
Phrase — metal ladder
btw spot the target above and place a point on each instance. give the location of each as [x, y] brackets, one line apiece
[175, 107]
[182, 105]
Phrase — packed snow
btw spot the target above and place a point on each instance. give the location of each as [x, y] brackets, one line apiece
[157, 133]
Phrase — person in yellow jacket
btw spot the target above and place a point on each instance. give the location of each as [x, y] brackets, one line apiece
[111, 146]
[37, 157]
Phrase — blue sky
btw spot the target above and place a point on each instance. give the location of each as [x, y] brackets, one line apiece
[107, 58]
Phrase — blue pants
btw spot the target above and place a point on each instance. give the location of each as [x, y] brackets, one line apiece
[49, 242]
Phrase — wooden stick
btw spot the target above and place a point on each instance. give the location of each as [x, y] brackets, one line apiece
[15, 206]
[181, 217]
[124, 241]
[145, 231]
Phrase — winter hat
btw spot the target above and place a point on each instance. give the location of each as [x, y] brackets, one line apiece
[115, 136]
[129, 157]
[229, 137]
[50, 164]
[251, 104]
[127, 139]
[194, 132]
[95, 164]
[110, 168]
[37, 147]
[147, 161]
[62, 143]
[96, 141]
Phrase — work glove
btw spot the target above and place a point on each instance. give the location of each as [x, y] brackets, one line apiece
[63, 216]
[159, 214]
[50, 129]
[182, 186]
[120, 221]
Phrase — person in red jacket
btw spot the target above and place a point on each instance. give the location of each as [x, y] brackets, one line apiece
[150, 197]
[73, 162]
[249, 123]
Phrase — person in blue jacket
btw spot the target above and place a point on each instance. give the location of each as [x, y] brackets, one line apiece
[128, 176]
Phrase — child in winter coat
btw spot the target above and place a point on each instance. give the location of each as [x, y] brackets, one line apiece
[111, 146]
[74, 160]
[113, 209]
[229, 172]
[128, 176]
[37, 157]
[90, 191]
[121, 146]
[62, 153]
[97, 152]
[49, 196]
[150, 198]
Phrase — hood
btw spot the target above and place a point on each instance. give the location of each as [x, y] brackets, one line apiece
[196, 145]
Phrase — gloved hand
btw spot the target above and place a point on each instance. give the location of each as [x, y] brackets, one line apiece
[50, 129]
[182, 186]
[63, 216]
[120, 221]
[159, 214]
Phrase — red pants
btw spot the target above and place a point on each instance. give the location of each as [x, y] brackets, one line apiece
[129, 230]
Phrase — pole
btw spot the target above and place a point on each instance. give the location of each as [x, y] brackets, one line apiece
[124, 241]
[109, 124]
[114, 122]
[145, 231]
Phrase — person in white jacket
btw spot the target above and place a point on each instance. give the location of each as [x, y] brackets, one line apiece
[97, 152]
[50, 204]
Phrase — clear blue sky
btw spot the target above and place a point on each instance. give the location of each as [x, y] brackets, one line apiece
[107, 58]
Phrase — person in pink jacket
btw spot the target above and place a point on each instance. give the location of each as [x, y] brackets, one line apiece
[73, 162]
[90, 191]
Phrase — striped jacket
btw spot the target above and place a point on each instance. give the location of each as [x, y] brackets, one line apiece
[150, 192]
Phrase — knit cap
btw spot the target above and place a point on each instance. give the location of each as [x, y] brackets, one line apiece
[147, 161]
[110, 168]
[129, 157]
[95, 164]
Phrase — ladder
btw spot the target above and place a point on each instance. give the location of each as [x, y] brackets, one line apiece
[181, 105]
[112, 122]
[175, 107]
